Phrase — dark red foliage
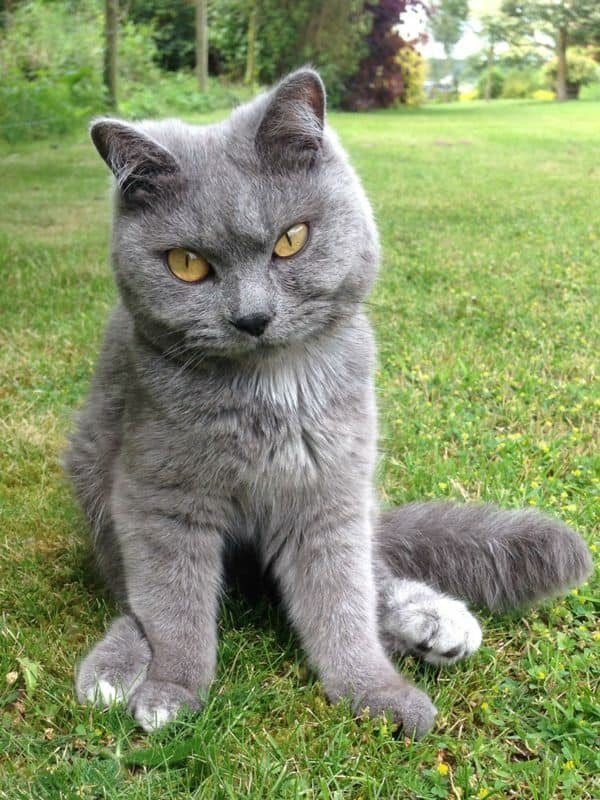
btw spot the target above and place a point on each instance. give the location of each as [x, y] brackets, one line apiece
[379, 82]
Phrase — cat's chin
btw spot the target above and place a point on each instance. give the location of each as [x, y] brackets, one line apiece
[239, 350]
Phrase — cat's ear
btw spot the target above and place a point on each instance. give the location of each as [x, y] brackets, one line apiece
[140, 164]
[291, 131]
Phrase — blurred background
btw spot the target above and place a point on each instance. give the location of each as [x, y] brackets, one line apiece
[62, 61]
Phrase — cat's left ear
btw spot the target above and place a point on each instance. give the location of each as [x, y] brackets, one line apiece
[290, 134]
[140, 164]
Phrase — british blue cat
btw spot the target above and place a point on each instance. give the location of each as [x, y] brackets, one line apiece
[233, 404]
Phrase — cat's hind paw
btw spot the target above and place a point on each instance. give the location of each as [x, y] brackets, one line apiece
[156, 703]
[115, 667]
[418, 620]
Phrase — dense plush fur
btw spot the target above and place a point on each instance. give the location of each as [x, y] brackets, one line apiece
[198, 435]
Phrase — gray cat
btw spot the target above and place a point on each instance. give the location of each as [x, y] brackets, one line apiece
[233, 404]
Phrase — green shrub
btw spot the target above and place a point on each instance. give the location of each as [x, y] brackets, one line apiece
[177, 93]
[496, 84]
[520, 83]
[581, 68]
[49, 68]
[590, 92]
[51, 59]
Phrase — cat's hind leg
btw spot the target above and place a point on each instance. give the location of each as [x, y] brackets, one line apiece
[116, 666]
[416, 619]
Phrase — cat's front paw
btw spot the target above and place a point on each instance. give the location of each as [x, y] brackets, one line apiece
[439, 629]
[408, 706]
[156, 703]
[115, 667]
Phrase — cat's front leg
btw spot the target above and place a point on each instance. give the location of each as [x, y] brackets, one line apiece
[324, 568]
[173, 573]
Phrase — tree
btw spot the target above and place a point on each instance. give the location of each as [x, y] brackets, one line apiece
[111, 23]
[202, 44]
[250, 73]
[447, 23]
[566, 22]
[495, 29]
[381, 80]
[260, 40]
[581, 69]
[173, 30]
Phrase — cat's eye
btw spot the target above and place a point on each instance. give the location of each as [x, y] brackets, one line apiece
[188, 266]
[292, 241]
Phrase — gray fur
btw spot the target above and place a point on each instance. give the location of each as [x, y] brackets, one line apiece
[496, 559]
[197, 436]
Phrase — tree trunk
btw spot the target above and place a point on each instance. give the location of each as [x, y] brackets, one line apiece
[250, 76]
[488, 77]
[561, 70]
[111, 32]
[202, 44]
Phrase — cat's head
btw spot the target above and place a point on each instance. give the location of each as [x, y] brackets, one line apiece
[248, 234]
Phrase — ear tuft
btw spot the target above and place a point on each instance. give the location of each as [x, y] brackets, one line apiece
[138, 162]
[291, 131]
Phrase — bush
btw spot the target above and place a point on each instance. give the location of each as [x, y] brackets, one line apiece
[177, 93]
[519, 83]
[413, 75]
[497, 82]
[590, 92]
[581, 69]
[51, 60]
[542, 94]
[49, 68]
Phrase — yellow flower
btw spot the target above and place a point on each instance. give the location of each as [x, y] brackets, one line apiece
[482, 793]
[442, 485]
[593, 548]
[541, 675]
[568, 765]
[443, 768]
[485, 706]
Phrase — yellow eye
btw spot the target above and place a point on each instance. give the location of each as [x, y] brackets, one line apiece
[292, 241]
[187, 266]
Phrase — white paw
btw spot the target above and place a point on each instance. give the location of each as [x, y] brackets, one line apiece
[437, 628]
[151, 719]
[157, 702]
[103, 694]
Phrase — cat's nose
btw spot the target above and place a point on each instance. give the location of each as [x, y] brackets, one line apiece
[254, 324]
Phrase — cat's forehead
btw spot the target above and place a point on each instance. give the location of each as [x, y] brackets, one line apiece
[225, 181]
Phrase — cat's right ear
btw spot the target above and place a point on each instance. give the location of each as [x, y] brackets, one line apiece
[139, 163]
[290, 133]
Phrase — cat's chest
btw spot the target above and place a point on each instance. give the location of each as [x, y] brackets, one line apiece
[274, 425]
[284, 426]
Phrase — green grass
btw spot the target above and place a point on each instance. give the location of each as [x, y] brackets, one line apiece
[487, 315]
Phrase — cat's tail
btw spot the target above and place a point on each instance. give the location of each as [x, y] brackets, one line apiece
[496, 559]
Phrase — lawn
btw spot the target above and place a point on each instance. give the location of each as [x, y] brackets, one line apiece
[487, 314]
